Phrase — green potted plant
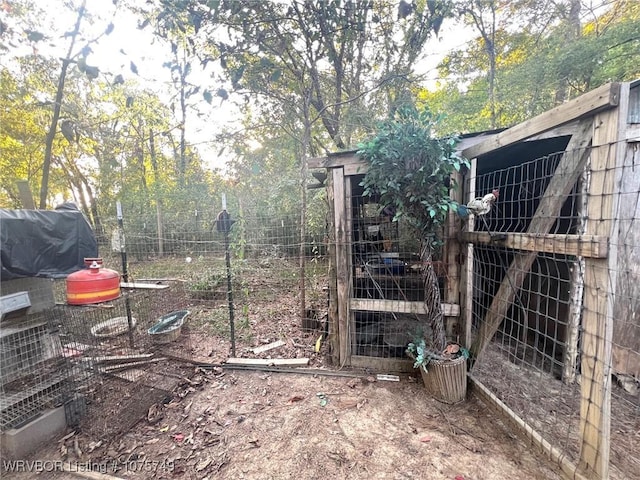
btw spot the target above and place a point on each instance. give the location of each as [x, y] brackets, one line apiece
[409, 172]
[444, 373]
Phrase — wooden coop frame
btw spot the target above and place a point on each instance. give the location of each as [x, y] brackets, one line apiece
[603, 124]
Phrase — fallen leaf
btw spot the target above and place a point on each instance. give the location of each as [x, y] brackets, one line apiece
[165, 429]
[93, 445]
[295, 398]
[202, 464]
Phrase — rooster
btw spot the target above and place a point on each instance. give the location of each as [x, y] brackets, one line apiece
[479, 206]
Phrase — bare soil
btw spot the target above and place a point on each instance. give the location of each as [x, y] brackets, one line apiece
[177, 420]
[264, 425]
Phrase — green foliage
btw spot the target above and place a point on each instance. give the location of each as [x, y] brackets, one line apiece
[550, 62]
[422, 355]
[419, 352]
[410, 170]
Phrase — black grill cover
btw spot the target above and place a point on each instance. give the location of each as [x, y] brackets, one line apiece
[44, 243]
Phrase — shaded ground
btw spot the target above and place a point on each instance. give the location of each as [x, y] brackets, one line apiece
[175, 420]
[256, 425]
[553, 409]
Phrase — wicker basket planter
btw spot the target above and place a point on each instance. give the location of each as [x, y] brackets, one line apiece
[446, 380]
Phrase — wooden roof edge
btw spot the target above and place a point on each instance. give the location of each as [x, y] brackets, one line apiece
[602, 98]
[334, 160]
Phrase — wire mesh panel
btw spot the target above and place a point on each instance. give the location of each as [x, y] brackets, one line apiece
[260, 293]
[547, 302]
[34, 374]
[388, 279]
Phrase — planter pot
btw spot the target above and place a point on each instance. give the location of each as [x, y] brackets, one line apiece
[446, 380]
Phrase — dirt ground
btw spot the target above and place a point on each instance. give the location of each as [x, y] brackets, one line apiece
[265, 425]
[176, 420]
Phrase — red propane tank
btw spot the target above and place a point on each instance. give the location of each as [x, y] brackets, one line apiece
[94, 285]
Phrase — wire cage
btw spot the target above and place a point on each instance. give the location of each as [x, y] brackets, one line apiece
[35, 374]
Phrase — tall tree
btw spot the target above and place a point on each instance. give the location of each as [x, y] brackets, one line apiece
[57, 104]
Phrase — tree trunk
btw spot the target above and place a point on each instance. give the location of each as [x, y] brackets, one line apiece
[51, 134]
[158, 199]
[306, 142]
[438, 339]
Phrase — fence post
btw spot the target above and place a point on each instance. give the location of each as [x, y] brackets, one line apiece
[599, 290]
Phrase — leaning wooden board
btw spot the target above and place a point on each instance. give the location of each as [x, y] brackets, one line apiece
[290, 362]
[148, 286]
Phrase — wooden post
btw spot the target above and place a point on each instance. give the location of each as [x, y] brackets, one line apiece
[452, 259]
[334, 318]
[570, 356]
[467, 273]
[343, 262]
[599, 291]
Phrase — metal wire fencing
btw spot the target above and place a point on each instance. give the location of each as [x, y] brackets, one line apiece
[556, 332]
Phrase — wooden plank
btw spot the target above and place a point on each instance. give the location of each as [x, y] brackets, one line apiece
[343, 272]
[592, 246]
[384, 365]
[632, 133]
[599, 289]
[289, 362]
[26, 197]
[356, 169]
[335, 160]
[143, 286]
[333, 315]
[452, 250]
[466, 287]
[119, 358]
[601, 98]
[351, 318]
[400, 306]
[125, 366]
[565, 130]
[268, 346]
[565, 177]
[555, 455]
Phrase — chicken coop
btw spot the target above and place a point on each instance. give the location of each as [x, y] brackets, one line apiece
[542, 288]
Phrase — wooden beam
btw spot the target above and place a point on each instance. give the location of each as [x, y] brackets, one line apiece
[351, 318]
[632, 133]
[333, 314]
[599, 290]
[289, 362]
[601, 98]
[143, 286]
[384, 365]
[592, 246]
[119, 358]
[451, 256]
[334, 161]
[355, 169]
[268, 346]
[466, 286]
[343, 260]
[565, 177]
[565, 130]
[400, 306]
